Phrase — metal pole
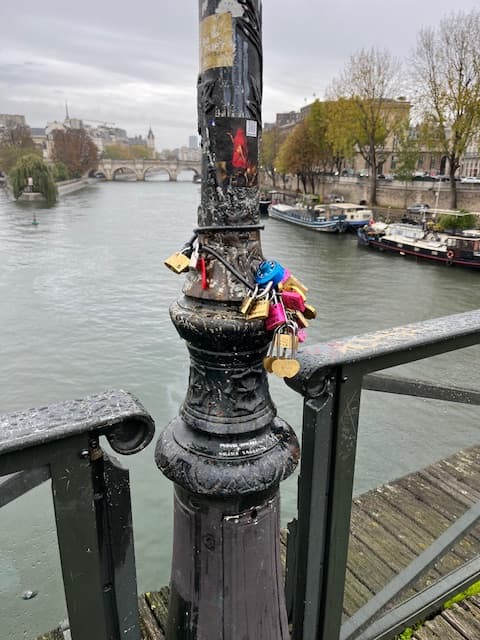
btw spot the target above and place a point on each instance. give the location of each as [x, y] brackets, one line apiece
[227, 451]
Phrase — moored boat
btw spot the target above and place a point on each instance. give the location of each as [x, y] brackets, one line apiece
[356, 215]
[462, 249]
[317, 217]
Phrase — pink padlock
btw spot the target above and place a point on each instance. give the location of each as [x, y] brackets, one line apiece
[286, 275]
[276, 316]
[301, 335]
[293, 300]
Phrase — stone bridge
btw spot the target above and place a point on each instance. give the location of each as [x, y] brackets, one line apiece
[140, 168]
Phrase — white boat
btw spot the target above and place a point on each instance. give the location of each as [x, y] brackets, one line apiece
[317, 217]
[356, 215]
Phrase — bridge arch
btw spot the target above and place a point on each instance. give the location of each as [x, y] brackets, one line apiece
[124, 173]
[149, 171]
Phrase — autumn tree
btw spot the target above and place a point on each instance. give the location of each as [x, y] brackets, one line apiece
[446, 76]
[407, 154]
[297, 155]
[269, 148]
[367, 109]
[75, 149]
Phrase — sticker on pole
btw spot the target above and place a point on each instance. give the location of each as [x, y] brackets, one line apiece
[216, 41]
[236, 152]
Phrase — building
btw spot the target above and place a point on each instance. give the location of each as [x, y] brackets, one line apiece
[151, 143]
[193, 142]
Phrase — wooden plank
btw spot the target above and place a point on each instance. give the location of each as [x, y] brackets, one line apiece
[441, 630]
[368, 568]
[355, 596]
[158, 603]
[461, 617]
[148, 623]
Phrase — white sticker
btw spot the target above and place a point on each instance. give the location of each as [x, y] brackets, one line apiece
[251, 129]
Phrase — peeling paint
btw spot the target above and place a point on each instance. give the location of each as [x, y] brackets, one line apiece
[230, 6]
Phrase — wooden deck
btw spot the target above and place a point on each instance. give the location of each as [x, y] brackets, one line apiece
[390, 526]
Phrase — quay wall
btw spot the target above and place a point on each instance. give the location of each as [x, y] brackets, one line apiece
[395, 195]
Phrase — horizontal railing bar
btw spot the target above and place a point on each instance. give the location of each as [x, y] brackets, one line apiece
[17, 484]
[116, 414]
[364, 616]
[386, 348]
[423, 604]
[420, 389]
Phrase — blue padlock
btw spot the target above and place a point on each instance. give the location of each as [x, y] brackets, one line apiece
[269, 271]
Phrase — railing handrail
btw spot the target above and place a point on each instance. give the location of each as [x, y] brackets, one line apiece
[116, 414]
[330, 379]
[386, 347]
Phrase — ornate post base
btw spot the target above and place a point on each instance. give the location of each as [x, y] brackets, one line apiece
[227, 453]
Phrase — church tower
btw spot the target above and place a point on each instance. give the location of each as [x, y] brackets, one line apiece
[151, 142]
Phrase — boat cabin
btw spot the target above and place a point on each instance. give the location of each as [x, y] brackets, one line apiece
[465, 246]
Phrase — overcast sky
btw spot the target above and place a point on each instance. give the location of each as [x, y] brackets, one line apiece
[135, 63]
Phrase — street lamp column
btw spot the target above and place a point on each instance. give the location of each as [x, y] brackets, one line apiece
[227, 450]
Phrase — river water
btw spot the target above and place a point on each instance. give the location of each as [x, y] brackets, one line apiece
[84, 308]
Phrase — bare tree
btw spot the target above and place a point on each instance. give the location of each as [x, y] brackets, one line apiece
[365, 93]
[446, 77]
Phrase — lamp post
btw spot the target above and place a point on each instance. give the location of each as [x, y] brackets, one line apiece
[227, 450]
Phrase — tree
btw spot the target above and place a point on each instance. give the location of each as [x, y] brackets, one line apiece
[31, 166]
[407, 153]
[15, 143]
[60, 172]
[297, 155]
[269, 148]
[365, 91]
[446, 76]
[126, 152]
[75, 149]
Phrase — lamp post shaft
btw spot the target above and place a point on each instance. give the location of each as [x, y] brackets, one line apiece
[227, 450]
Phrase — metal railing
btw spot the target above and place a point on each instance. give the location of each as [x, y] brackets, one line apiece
[61, 442]
[331, 379]
[91, 497]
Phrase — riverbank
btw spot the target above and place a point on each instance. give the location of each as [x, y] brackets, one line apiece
[64, 188]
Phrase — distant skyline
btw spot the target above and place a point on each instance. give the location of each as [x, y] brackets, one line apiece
[136, 65]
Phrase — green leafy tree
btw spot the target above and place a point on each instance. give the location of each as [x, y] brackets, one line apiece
[368, 111]
[297, 155]
[457, 223]
[15, 143]
[446, 76]
[407, 154]
[269, 149]
[31, 166]
[60, 172]
[75, 149]
[126, 152]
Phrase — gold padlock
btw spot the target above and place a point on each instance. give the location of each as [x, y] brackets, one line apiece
[248, 301]
[286, 341]
[292, 281]
[310, 312]
[301, 319]
[178, 262]
[259, 311]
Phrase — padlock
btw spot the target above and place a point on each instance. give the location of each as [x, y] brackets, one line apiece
[248, 301]
[276, 315]
[195, 255]
[301, 320]
[301, 335]
[178, 262]
[310, 312]
[289, 283]
[260, 310]
[293, 300]
[269, 271]
[293, 288]
[286, 341]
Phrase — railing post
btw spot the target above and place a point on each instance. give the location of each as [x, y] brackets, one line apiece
[227, 451]
[325, 487]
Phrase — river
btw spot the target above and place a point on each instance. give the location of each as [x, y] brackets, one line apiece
[84, 309]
